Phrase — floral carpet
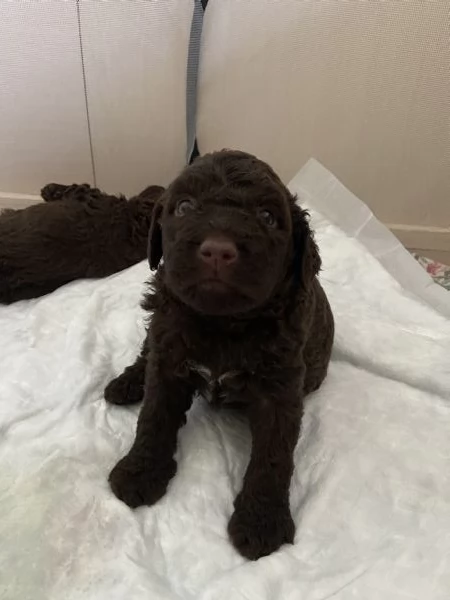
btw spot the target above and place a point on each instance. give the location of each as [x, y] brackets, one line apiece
[439, 272]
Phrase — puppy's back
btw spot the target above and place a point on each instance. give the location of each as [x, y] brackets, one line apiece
[48, 245]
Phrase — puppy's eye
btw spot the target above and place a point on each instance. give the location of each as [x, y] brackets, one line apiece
[268, 218]
[183, 206]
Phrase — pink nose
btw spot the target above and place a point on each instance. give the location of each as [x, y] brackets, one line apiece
[218, 252]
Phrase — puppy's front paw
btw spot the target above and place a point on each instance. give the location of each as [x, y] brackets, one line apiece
[257, 528]
[127, 388]
[135, 482]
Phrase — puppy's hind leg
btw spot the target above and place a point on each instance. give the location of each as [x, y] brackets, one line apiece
[53, 192]
[128, 387]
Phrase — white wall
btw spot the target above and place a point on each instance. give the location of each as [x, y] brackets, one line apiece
[43, 127]
[97, 92]
[135, 56]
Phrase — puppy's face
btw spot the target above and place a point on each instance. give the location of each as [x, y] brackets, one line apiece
[226, 234]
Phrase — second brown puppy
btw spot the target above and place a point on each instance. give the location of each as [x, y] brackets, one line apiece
[78, 233]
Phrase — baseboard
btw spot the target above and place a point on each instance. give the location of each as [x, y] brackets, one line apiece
[433, 242]
[10, 200]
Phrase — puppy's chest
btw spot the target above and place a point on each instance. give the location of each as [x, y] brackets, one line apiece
[225, 369]
[219, 387]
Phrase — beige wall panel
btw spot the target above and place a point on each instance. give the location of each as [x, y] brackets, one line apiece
[363, 86]
[135, 56]
[43, 125]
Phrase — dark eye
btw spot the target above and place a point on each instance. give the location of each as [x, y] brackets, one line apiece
[183, 206]
[268, 218]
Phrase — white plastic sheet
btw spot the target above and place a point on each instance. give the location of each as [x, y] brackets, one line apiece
[316, 185]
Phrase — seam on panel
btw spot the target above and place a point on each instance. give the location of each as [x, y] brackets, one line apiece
[86, 100]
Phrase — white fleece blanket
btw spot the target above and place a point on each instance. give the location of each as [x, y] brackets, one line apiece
[371, 490]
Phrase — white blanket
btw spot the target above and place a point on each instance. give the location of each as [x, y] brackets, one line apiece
[371, 490]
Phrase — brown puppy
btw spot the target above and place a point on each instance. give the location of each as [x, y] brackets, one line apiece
[79, 233]
[239, 315]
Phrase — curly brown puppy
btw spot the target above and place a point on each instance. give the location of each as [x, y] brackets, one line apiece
[239, 315]
[79, 233]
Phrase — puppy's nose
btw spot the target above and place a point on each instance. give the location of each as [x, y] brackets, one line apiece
[218, 252]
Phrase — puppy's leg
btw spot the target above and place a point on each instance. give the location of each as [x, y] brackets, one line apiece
[128, 387]
[56, 191]
[142, 476]
[262, 521]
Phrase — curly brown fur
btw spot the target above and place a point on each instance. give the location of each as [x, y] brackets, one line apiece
[78, 233]
[243, 320]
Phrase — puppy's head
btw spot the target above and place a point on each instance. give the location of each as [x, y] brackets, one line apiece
[231, 235]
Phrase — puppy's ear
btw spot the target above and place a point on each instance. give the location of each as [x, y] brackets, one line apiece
[154, 247]
[307, 261]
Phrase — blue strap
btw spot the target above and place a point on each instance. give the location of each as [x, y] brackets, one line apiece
[192, 77]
